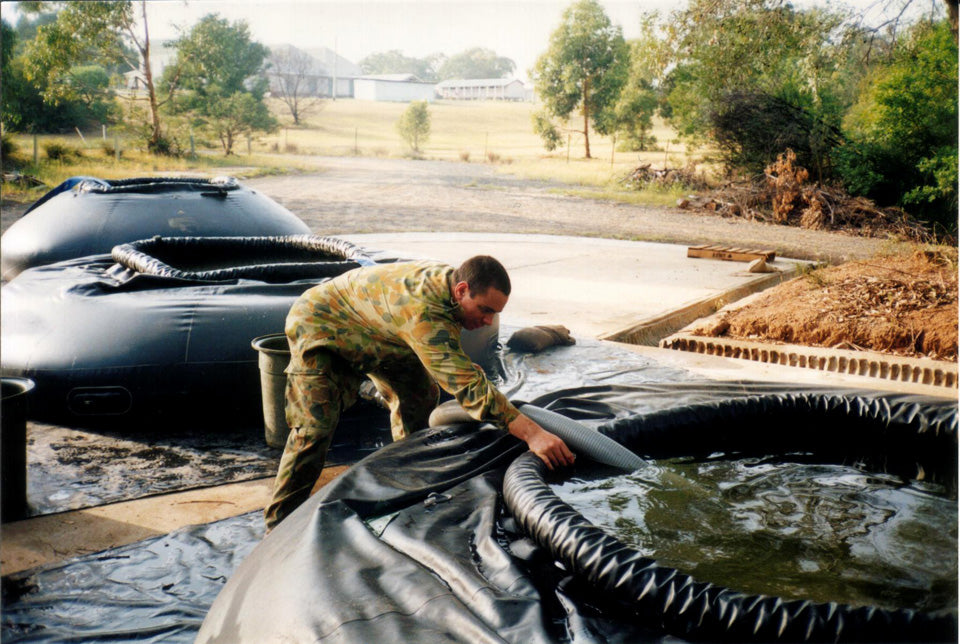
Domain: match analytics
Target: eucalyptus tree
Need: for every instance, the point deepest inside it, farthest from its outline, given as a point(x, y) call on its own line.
point(109, 33)
point(585, 68)
point(217, 80)
point(737, 61)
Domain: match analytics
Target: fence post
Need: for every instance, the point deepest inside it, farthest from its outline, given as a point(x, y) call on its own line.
point(568, 148)
point(35, 157)
point(356, 150)
point(103, 131)
point(248, 144)
point(116, 147)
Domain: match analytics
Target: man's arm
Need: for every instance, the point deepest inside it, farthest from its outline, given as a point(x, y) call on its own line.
point(548, 447)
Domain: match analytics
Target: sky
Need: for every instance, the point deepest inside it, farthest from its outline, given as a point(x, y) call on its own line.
point(515, 29)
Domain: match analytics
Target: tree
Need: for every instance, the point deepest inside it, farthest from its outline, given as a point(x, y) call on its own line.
point(236, 115)
point(293, 79)
point(96, 31)
point(414, 124)
point(785, 60)
point(584, 67)
point(902, 133)
point(638, 102)
point(217, 79)
point(476, 63)
point(394, 62)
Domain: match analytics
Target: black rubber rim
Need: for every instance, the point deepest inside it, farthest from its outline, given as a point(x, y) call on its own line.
point(678, 602)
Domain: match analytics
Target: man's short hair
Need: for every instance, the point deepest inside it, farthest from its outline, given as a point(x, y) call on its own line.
point(482, 272)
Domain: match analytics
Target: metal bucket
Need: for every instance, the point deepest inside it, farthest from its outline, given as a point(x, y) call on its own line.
point(13, 448)
point(274, 356)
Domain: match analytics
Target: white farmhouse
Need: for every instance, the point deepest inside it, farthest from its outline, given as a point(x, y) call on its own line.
point(482, 89)
point(401, 88)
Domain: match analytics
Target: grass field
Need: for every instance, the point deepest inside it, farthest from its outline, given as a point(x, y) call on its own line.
point(473, 131)
point(494, 132)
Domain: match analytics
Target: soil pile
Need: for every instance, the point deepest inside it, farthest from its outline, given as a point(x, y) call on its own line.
point(904, 305)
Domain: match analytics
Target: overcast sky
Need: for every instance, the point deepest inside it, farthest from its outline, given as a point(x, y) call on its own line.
point(516, 29)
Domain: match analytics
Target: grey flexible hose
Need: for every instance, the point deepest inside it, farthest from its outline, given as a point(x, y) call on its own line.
point(583, 440)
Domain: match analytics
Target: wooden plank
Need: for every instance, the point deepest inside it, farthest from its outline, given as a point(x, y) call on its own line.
point(730, 254)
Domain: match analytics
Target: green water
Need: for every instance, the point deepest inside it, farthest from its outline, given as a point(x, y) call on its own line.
point(791, 529)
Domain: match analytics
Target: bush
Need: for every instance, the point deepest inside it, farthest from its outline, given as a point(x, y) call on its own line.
point(7, 146)
point(59, 152)
point(465, 156)
point(414, 125)
point(546, 130)
point(109, 151)
point(751, 128)
point(903, 130)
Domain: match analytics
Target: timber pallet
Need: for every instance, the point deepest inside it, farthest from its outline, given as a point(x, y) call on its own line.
point(730, 254)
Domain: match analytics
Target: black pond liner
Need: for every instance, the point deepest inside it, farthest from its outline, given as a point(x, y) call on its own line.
point(897, 437)
point(86, 216)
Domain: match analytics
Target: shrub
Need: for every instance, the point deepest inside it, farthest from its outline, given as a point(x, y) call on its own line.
point(751, 128)
point(7, 146)
point(465, 156)
point(414, 125)
point(58, 151)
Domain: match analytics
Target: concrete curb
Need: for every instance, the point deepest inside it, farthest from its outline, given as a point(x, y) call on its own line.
point(924, 371)
point(650, 332)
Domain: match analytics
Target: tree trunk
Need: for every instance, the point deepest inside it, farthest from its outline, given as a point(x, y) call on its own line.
point(155, 134)
point(586, 115)
point(952, 10)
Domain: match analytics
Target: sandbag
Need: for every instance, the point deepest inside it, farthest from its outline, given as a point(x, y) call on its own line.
point(534, 339)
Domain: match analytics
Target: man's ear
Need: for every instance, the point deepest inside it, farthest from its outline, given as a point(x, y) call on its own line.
point(460, 290)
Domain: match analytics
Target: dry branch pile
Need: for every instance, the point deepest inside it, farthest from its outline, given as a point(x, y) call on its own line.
point(646, 175)
point(784, 195)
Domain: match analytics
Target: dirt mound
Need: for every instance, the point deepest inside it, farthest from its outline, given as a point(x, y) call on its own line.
point(904, 305)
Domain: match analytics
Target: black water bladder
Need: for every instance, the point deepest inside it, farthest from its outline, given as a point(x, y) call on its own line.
point(902, 435)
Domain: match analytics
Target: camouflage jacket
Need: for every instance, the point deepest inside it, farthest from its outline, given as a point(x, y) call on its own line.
point(370, 316)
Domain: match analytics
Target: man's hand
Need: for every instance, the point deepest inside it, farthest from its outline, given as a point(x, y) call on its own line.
point(548, 447)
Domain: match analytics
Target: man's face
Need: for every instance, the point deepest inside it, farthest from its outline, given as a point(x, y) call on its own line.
point(478, 309)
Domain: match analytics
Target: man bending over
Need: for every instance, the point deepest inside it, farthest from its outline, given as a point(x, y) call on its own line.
point(399, 325)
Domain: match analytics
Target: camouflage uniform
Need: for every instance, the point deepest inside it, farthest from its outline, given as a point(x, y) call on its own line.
point(397, 324)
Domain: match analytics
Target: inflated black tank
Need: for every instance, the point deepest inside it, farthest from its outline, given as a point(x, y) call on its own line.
point(162, 327)
point(87, 216)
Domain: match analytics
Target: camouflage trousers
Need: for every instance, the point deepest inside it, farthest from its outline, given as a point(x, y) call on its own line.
point(320, 387)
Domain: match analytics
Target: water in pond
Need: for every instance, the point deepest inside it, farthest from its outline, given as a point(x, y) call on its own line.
point(792, 529)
